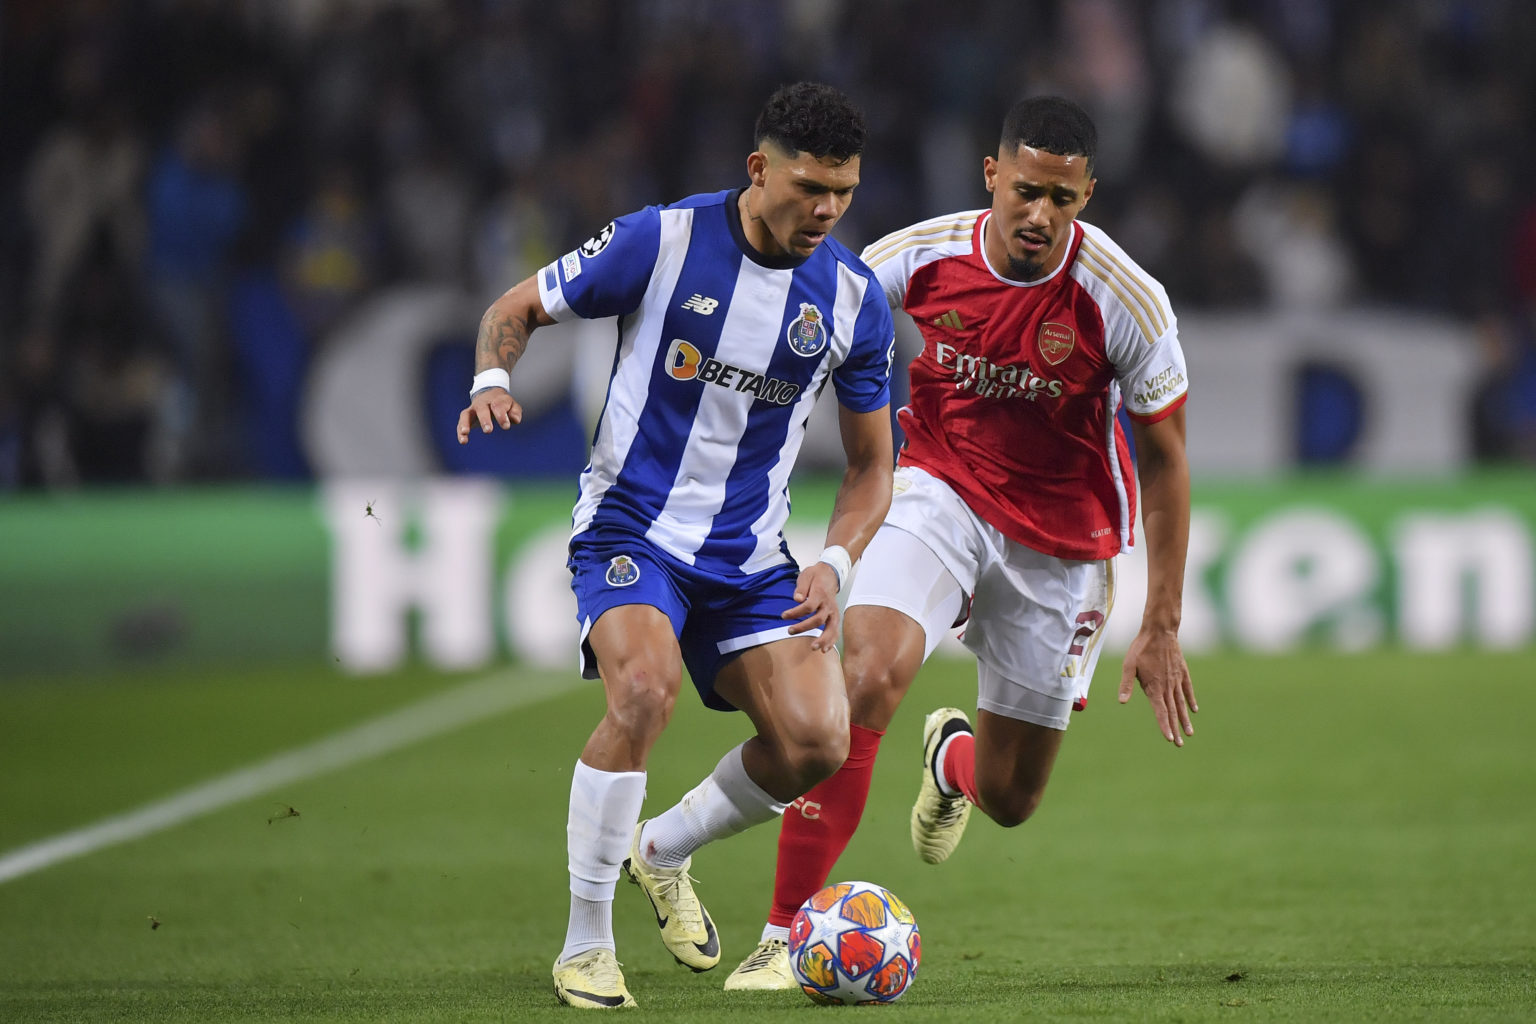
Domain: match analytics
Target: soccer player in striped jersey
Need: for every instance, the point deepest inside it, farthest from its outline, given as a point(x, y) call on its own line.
point(1015, 494)
point(735, 309)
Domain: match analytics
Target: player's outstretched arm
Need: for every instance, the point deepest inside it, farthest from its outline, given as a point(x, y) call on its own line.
point(503, 337)
point(1155, 657)
point(860, 507)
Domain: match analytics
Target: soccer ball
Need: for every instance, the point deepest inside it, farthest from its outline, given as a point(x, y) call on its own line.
point(854, 942)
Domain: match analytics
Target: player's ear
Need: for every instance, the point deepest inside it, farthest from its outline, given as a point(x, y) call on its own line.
point(989, 172)
point(1088, 192)
point(757, 168)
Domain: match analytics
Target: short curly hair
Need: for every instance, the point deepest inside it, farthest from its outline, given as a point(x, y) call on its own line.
point(1052, 123)
point(812, 118)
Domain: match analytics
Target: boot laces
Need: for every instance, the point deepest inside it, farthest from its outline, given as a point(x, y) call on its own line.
point(764, 955)
point(604, 970)
point(677, 889)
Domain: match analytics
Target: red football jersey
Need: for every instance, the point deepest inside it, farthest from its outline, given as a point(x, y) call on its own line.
point(1015, 392)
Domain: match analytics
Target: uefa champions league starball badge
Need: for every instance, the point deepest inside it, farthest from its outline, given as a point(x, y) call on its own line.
point(598, 242)
point(807, 334)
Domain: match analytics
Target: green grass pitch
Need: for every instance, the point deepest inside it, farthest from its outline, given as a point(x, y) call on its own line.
point(1345, 838)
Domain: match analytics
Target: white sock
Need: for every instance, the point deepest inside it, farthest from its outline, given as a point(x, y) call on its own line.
point(725, 803)
point(945, 786)
point(775, 931)
point(600, 823)
point(590, 926)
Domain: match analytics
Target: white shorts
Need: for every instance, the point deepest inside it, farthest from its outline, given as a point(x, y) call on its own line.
point(1035, 621)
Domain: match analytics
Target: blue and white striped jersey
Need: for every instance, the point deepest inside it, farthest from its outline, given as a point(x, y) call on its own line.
point(721, 354)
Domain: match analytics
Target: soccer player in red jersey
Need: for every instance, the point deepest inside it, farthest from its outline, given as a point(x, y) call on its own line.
point(1015, 492)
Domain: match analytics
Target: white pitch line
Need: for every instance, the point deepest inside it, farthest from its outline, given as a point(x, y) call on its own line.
point(464, 705)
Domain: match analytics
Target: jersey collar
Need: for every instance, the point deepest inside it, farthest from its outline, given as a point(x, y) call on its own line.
point(981, 250)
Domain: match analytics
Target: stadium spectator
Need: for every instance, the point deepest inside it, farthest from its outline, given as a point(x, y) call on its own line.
point(1232, 97)
point(332, 252)
point(196, 208)
point(83, 183)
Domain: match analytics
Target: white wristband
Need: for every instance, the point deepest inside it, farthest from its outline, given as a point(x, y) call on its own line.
point(493, 378)
point(837, 557)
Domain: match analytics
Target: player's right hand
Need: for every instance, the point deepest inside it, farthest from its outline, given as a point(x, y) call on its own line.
point(1156, 661)
point(488, 408)
point(816, 590)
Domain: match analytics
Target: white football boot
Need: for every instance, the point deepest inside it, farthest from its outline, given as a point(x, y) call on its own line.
point(765, 969)
point(592, 981)
point(938, 821)
point(686, 929)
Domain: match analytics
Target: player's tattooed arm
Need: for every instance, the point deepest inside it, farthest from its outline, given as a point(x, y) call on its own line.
point(500, 343)
point(502, 340)
point(507, 325)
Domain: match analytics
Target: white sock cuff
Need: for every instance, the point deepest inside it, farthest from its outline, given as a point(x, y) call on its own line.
point(752, 802)
point(775, 931)
point(603, 811)
point(945, 786)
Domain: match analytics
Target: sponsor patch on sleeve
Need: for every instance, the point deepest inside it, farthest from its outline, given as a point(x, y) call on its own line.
point(570, 264)
point(1159, 388)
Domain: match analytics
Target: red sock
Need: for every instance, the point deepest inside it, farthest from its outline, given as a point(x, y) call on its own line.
point(960, 765)
point(817, 828)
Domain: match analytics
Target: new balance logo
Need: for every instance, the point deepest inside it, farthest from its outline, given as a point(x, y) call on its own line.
point(700, 304)
point(950, 320)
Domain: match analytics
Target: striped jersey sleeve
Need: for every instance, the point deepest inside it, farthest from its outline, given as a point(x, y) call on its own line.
point(862, 378)
point(608, 274)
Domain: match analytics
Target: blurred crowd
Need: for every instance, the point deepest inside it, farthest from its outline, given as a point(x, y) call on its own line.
point(197, 191)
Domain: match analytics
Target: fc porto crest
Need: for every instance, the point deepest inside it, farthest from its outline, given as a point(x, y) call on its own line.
point(807, 334)
point(1056, 342)
point(622, 571)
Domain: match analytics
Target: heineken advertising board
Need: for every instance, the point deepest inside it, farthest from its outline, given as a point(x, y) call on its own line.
point(465, 572)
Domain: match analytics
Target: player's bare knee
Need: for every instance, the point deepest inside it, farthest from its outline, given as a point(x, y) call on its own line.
point(828, 756)
point(874, 691)
point(642, 701)
point(811, 765)
point(815, 755)
point(1009, 807)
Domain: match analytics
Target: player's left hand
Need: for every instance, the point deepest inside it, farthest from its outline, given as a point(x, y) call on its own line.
point(1156, 659)
point(816, 590)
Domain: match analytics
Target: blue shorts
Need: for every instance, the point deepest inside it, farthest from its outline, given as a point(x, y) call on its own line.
point(714, 617)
